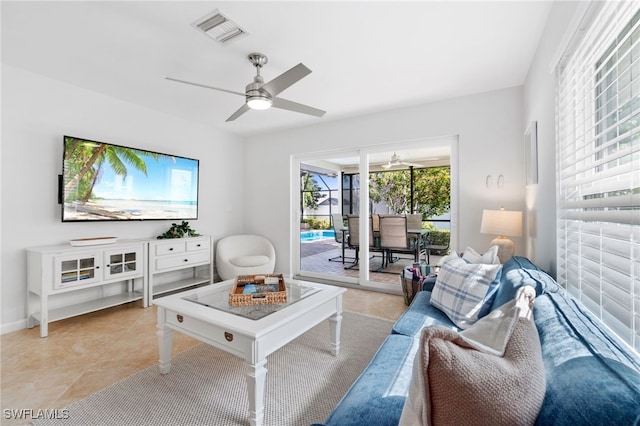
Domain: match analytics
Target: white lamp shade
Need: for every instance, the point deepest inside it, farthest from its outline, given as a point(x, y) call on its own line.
point(504, 223)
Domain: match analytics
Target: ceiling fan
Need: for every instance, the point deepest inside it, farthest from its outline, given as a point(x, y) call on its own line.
point(260, 95)
point(396, 162)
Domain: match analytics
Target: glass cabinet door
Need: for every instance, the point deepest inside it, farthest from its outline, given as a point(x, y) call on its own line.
point(123, 263)
point(75, 270)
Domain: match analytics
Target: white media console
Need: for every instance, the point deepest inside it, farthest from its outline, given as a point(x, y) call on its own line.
point(65, 281)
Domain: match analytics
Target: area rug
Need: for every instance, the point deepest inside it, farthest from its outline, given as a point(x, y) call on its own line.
point(207, 386)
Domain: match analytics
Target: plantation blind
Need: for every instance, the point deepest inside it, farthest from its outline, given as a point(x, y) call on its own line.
point(598, 167)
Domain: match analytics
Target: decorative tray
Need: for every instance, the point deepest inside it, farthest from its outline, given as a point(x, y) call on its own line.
point(258, 290)
point(93, 241)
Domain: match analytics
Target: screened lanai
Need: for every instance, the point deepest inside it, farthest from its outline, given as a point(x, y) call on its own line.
point(411, 186)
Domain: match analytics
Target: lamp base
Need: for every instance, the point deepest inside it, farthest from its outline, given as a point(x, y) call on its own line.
point(506, 248)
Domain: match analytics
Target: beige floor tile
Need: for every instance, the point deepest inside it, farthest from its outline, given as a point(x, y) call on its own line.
point(84, 354)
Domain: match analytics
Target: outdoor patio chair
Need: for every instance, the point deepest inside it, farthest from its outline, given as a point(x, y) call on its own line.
point(394, 237)
point(429, 247)
point(375, 224)
point(341, 236)
point(353, 223)
point(414, 222)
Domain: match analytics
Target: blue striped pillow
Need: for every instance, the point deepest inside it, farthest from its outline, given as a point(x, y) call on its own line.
point(465, 291)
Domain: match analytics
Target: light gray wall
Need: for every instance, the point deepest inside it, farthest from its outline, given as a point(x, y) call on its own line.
point(540, 106)
point(36, 113)
point(489, 127)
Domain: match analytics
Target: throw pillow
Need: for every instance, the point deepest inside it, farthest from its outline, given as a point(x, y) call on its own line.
point(461, 378)
point(453, 255)
point(465, 291)
point(489, 258)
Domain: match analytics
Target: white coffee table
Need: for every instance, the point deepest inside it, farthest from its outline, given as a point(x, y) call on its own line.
point(205, 314)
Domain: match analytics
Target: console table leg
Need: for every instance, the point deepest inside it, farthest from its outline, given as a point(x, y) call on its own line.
point(335, 323)
point(256, 379)
point(44, 316)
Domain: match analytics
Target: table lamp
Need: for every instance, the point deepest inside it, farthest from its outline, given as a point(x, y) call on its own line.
point(503, 223)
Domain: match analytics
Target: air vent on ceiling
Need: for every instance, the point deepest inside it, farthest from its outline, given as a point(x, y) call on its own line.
point(219, 27)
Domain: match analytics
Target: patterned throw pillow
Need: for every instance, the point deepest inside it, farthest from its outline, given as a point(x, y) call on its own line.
point(465, 291)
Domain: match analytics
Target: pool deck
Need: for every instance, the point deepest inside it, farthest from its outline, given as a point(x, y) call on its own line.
point(314, 257)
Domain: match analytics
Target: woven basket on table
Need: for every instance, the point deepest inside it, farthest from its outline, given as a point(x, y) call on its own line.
point(237, 298)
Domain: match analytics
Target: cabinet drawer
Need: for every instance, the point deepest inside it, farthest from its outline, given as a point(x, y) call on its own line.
point(181, 261)
point(215, 335)
point(172, 248)
point(198, 245)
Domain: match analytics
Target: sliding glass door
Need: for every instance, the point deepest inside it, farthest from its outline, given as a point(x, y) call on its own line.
point(320, 246)
point(336, 193)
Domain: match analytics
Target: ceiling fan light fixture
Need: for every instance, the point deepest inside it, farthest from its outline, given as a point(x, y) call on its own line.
point(259, 102)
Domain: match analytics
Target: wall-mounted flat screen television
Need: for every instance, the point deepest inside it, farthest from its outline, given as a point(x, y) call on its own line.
point(106, 182)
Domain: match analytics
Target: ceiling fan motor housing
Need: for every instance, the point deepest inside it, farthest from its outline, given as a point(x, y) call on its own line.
point(255, 97)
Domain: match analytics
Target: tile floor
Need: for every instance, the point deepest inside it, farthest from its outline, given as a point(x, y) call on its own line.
point(315, 258)
point(84, 354)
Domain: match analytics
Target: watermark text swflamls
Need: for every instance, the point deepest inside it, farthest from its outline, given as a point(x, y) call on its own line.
point(35, 414)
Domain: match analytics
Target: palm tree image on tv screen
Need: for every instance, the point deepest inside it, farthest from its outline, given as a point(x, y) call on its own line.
point(103, 181)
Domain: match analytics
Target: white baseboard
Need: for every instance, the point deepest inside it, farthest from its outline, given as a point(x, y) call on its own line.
point(14, 326)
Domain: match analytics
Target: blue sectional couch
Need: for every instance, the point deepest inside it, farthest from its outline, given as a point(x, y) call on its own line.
point(591, 378)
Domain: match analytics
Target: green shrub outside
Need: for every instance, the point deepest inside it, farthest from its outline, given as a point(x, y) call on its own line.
point(315, 223)
point(440, 237)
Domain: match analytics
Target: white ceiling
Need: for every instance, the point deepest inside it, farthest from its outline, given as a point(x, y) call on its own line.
point(364, 56)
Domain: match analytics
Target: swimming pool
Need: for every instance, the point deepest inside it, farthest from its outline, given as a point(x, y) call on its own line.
point(308, 236)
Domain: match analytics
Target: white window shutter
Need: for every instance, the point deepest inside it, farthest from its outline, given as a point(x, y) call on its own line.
point(598, 155)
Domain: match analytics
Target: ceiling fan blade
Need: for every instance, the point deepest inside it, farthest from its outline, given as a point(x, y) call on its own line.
point(286, 79)
point(244, 108)
point(296, 107)
point(386, 166)
point(411, 164)
point(205, 86)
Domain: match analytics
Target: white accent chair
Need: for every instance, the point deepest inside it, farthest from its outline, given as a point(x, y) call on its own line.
point(244, 255)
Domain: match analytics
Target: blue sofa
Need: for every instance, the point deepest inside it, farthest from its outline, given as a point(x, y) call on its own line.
point(592, 378)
